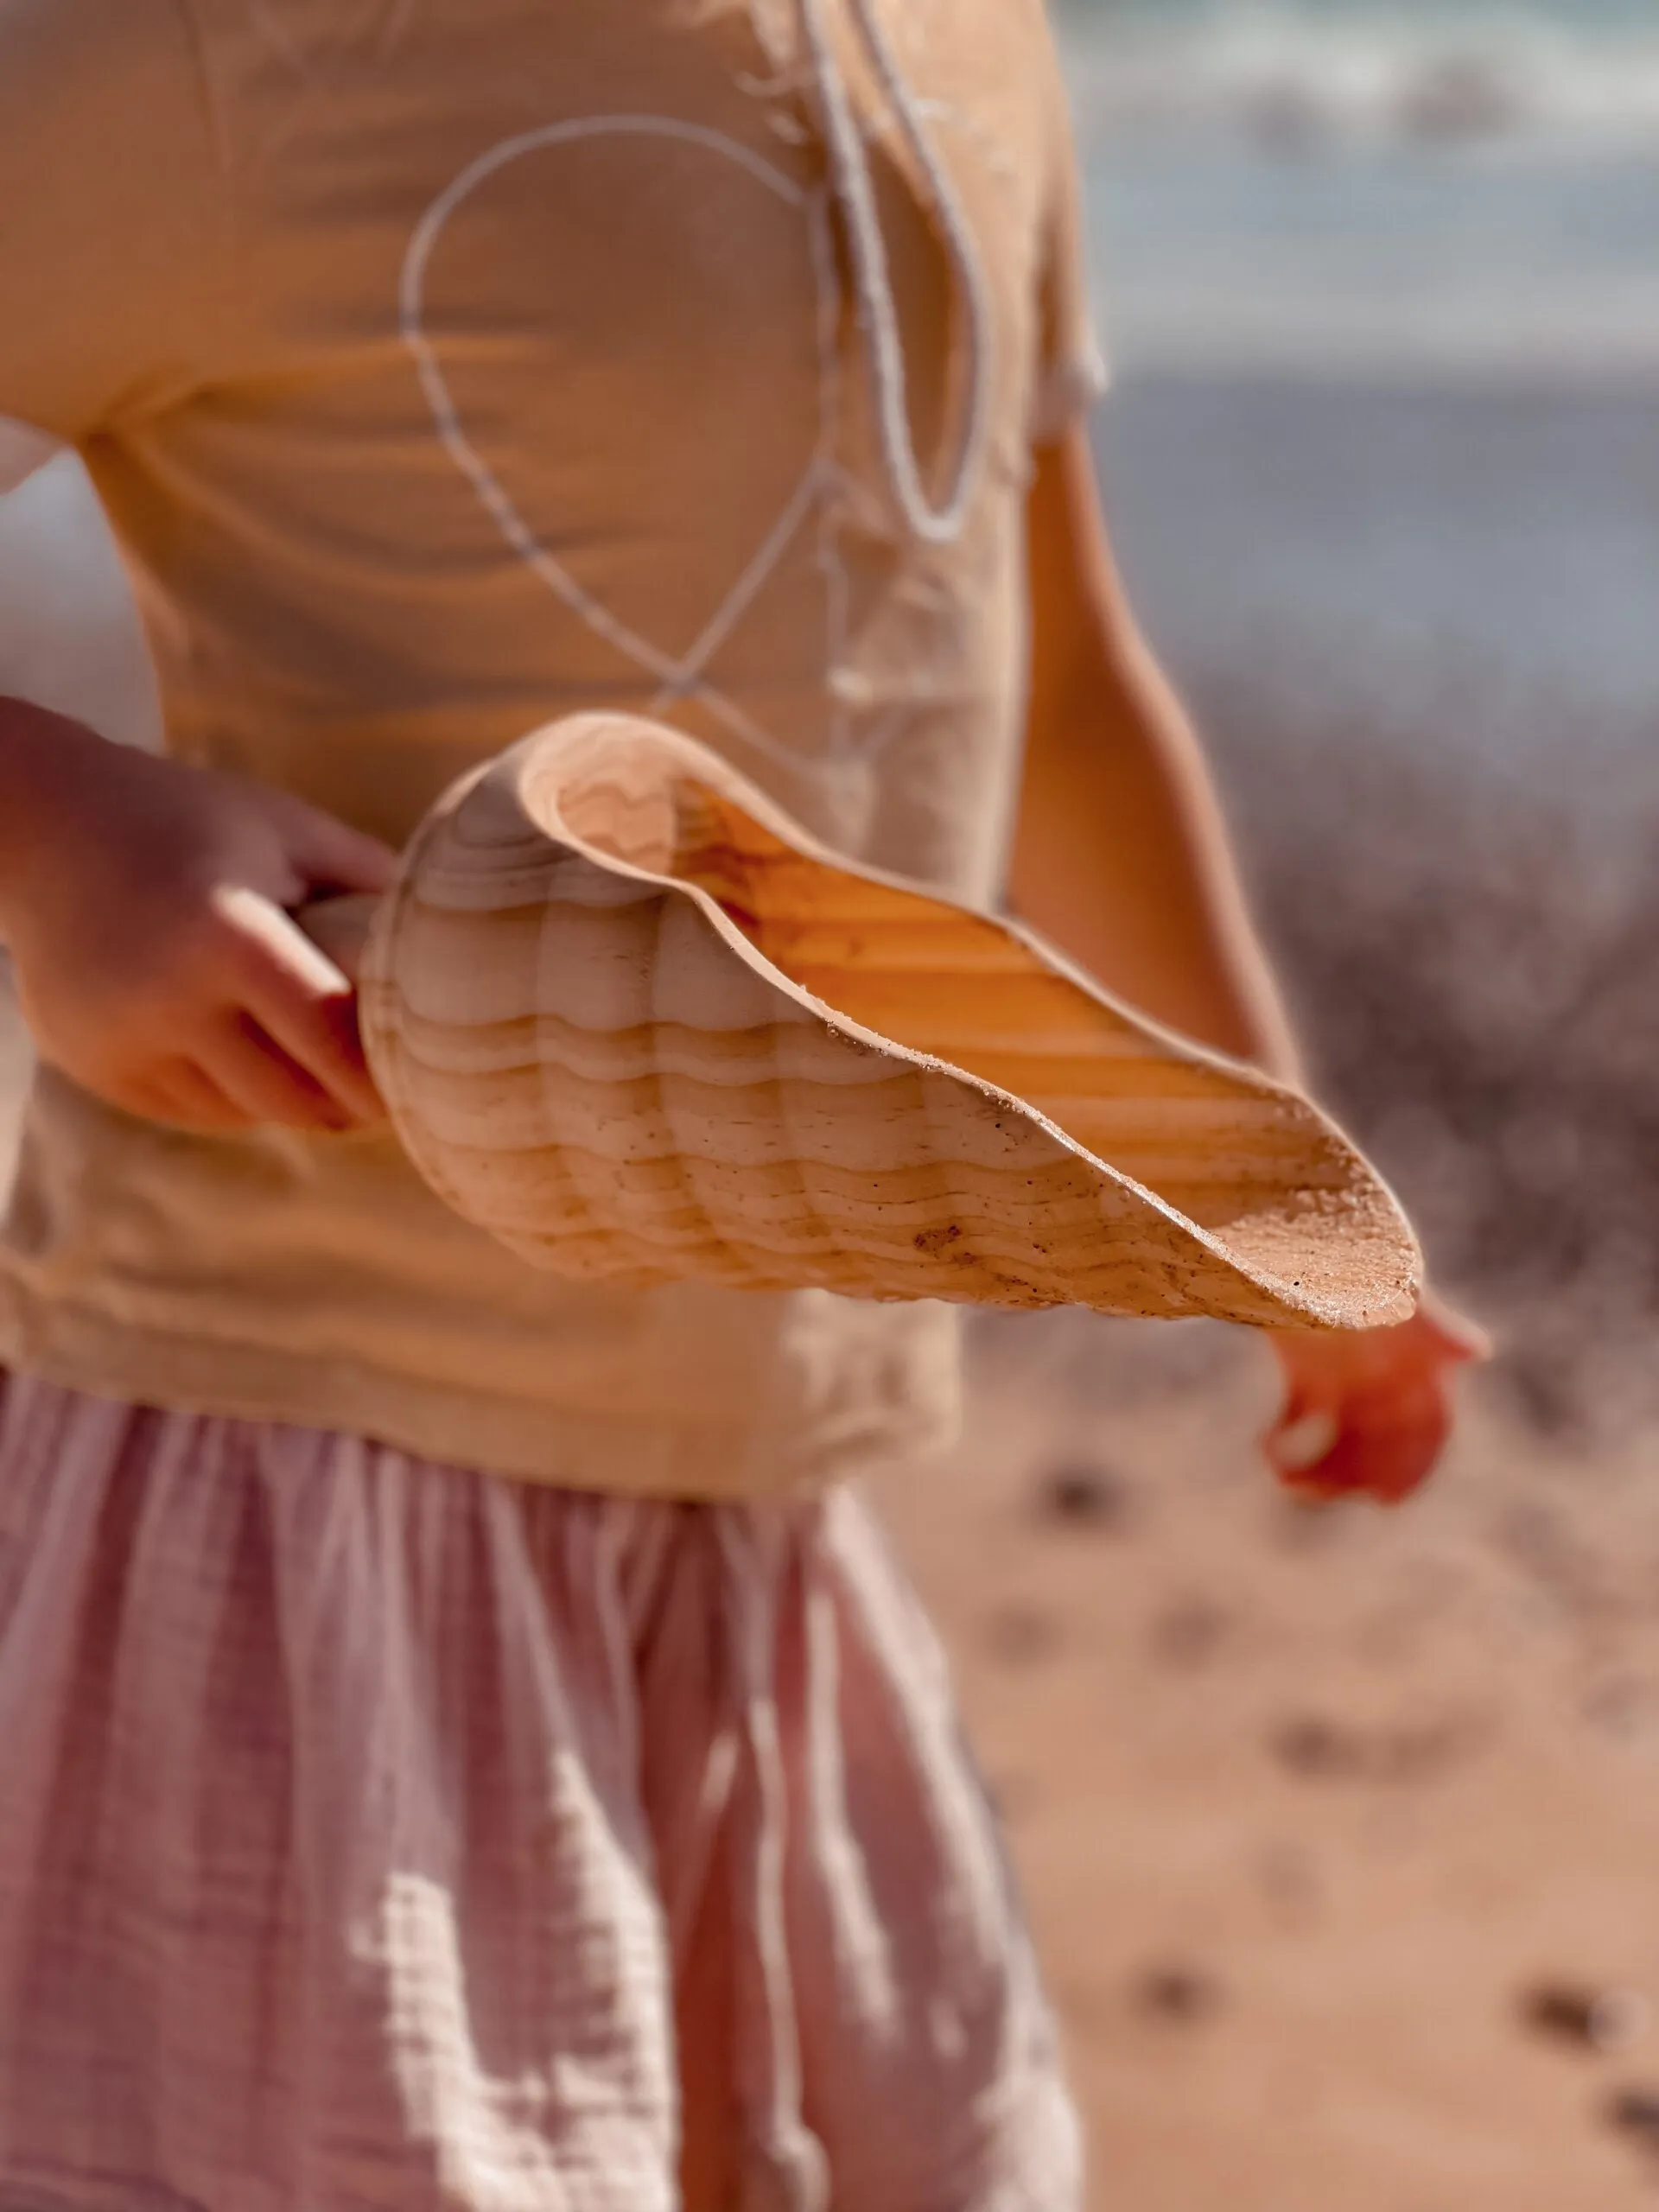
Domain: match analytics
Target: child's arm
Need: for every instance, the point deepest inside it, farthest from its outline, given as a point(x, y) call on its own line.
point(1121, 854)
point(143, 903)
point(1120, 857)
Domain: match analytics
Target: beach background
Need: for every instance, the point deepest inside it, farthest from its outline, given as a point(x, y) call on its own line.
point(1341, 1833)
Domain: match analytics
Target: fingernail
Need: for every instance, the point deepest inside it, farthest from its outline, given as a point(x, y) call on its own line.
point(1306, 1440)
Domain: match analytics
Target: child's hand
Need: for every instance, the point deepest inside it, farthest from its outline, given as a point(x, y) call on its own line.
point(1368, 1413)
point(143, 903)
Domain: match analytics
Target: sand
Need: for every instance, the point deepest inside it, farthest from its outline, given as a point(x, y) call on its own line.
point(1312, 1810)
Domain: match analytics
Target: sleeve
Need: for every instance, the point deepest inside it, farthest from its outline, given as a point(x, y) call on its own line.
point(113, 218)
point(1070, 371)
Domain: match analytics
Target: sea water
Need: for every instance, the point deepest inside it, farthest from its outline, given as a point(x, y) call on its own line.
point(1381, 289)
point(1465, 190)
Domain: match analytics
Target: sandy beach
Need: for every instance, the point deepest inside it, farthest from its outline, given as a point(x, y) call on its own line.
point(1335, 1828)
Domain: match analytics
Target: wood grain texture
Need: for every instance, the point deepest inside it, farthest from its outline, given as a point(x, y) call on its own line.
point(633, 1022)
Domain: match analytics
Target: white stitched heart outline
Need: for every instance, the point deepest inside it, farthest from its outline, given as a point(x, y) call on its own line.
point(678, 676)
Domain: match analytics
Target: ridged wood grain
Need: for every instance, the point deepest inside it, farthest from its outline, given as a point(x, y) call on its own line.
point(632, 1022)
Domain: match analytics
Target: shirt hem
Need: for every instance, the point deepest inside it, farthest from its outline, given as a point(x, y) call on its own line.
point(661, 1457)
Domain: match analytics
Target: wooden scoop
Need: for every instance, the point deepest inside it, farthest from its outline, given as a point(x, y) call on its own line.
point(632, 1020)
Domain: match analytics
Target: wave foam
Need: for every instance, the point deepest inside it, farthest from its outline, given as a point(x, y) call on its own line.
point(1288, 79)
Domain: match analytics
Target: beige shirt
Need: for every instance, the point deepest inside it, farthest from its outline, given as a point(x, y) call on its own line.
point(444, 365)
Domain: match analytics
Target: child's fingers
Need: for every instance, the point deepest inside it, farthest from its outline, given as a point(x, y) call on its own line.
point(197, 1102)
point(1300, 1440)
point(333, 856)
point(304, 1005)
point(1384, 1447)
point(340, 927)
point(321, 1036)
point(270, 1087)
point(1303, 1428)
point(181, 1095)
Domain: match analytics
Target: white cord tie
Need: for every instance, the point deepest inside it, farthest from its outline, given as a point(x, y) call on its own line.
point(878, 315)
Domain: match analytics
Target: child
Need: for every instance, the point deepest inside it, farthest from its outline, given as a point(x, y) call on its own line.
point(464, 1743)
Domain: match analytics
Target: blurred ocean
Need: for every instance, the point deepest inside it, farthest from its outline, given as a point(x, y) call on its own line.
point(1456, 189)
point(1381, 287)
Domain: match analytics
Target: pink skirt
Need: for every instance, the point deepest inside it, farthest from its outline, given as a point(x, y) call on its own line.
point(376, 1833)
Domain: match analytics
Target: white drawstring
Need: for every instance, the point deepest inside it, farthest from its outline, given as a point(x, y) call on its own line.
point(770, 2042)
point(850, 167)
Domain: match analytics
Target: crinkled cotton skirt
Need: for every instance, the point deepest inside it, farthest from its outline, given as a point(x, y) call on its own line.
point(379, 1834)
